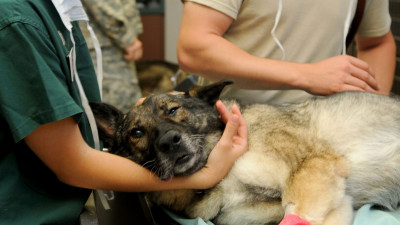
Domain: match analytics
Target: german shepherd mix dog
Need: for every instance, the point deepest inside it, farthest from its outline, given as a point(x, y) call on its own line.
point(318, 159)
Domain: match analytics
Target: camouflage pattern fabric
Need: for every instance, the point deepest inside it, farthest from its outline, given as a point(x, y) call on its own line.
point(117, 24)
point(120, 84)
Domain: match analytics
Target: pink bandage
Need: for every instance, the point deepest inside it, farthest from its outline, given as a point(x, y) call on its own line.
point(294, 220)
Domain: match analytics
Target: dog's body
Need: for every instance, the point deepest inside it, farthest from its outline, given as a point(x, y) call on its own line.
point(317, 159)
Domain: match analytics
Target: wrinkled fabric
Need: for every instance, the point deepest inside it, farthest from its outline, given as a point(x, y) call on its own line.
point(35, 89)
point(116, 24)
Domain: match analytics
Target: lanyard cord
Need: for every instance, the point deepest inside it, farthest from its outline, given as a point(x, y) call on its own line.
point(72, 11)
point(85, 102)
point(86, 107)
point(347, 26)
point(99, 57)
point(277, 18)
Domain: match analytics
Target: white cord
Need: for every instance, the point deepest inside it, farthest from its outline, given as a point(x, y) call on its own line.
point(277, 18)
point(85, 103)
point(347, 25)
point(99, 58)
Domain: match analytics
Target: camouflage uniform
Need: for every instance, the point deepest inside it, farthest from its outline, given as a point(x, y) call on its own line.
point(116, 24)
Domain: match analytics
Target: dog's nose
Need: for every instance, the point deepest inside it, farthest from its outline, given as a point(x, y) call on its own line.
point(170, 141)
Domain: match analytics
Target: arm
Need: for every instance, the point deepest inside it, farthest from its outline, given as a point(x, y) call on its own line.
point(119, 21)
point(380, 54)
point(61, 147)
point(203, 50)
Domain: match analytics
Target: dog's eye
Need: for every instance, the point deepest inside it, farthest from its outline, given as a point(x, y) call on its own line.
point(172, 111)
point(137, 133)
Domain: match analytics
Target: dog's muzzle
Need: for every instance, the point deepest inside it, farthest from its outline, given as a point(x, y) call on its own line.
point(170, 141)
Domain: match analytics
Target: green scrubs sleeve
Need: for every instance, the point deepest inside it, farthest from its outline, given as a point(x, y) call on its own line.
point(33, 65)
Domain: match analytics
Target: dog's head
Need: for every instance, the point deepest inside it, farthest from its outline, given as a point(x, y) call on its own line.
point(169, 134)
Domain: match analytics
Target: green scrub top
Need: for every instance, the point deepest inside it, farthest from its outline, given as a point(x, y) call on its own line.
point(36, 88)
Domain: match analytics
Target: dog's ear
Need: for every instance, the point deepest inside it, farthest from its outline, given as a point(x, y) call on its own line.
point(108, 118)
point(209, 93)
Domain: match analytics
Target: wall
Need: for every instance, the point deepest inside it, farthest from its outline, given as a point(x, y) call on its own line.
point(173, 13)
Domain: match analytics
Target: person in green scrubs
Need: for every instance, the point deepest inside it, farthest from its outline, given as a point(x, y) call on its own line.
point(48, 164)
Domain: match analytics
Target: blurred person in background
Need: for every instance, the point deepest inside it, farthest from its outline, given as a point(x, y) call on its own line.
point(117, 25)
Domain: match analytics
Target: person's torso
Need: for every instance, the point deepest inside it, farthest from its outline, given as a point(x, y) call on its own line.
point(308, 30)
point(29, 192)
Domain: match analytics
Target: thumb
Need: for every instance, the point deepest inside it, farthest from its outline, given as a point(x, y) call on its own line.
point(231, 128)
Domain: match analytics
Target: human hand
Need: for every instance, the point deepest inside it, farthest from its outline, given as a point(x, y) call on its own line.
point(231, 146)
point(140, 101)
point(134, 51)
point(338, 74)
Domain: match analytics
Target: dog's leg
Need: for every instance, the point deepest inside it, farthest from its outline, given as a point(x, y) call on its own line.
point(263, 212)
point(316, 191)
point(343, 214)
point(208, 207)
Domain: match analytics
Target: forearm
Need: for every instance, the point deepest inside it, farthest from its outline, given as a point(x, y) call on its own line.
point(215, 58)
point(100, 170)
point(382, 59)
point(203, 50)
point(77, 164)
point(111, 172)
point(61, 147)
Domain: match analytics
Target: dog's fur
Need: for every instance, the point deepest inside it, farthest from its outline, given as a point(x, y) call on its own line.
point(317, 159)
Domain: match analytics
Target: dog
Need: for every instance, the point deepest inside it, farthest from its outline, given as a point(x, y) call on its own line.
point(318, 159)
